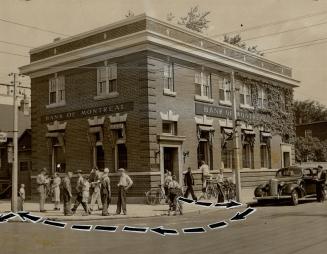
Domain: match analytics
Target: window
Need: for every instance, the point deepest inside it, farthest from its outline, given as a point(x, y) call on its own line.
point(99, 156)
point(121, 156)
point(247, 155)
point(227, 157)
point(225, 91)
point(204, 151)
point(169, 77)
point(169, 127)
point(262, 98)
point(57, 90)
point(203, 84)
point(307, 133)
point(107, 80)
point(245, 95)
point(265, 156)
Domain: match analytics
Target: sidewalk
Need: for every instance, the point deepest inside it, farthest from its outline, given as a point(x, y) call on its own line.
point(133, 211)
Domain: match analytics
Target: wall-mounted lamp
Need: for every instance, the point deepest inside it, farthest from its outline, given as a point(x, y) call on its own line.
point(186, 154)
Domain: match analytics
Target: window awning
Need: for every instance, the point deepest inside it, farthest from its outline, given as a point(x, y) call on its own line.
point(52, 134)
point(266, 134)
point(116, 126)
point(95, 129)
point(206, 128)
point(249, 132)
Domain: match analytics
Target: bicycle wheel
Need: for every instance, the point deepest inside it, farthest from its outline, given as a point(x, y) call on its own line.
point(151, 197)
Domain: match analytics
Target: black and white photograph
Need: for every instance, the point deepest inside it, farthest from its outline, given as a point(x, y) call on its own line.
point(163, 126)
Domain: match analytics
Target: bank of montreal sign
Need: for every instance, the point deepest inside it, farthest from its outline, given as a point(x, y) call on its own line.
point(89, 112)
point(225, 112)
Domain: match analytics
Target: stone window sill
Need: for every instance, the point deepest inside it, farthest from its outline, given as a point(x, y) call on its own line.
point(169, 92)
point(203, 99)
point(56, 105)
point(225, 103)
point(246, 107)
point(106, 96)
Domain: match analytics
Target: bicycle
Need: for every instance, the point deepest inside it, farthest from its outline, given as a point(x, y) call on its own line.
point(155, 196)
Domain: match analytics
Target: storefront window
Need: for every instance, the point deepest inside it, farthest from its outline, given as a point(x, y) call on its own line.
point(265, 156)
point(227, 157)
point(247, 155)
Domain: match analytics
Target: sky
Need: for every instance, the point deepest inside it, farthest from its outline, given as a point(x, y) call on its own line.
point(70, 17)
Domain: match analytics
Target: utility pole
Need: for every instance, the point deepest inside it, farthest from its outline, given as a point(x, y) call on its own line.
point(14, 180)
point(236, 145)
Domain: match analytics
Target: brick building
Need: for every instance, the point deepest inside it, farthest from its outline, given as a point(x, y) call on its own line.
point(147, 96)
point(314, 129)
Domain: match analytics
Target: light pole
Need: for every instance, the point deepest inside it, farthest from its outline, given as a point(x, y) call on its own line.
point(14, 173)
point(236, 145)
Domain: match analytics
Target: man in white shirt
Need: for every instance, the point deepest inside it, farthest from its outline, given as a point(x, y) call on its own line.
point(125, 182)
point(205, 176)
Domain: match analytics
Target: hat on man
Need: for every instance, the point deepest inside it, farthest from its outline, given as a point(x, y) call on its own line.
point(79, 171)
point(106, 170)
point(121, 169)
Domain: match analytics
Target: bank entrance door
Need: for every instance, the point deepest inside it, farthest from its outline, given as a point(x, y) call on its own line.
point(171, 162)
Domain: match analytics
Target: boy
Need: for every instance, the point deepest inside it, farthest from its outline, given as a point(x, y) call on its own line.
point(21, 197)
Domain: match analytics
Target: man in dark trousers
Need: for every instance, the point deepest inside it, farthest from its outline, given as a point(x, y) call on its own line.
point(79, 197)
point(67, 193)
point(320, 184)
point(105, 192)
point(189, 182)
point(125, 182)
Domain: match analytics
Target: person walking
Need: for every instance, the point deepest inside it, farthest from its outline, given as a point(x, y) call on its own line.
point(42, 182)
point(21, 197)
point(105, 192)
point(205, 176)
point(174, 190)
point(86, 194)
point(189, 182)
point(67, 193)
point(95, 179)
point(79, 195)
point(56, 191)
point(125, 182)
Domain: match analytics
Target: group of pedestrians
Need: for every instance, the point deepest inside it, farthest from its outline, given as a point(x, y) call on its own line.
point(97, 183)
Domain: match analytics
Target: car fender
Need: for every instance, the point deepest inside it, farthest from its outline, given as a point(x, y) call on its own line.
point(289, 188)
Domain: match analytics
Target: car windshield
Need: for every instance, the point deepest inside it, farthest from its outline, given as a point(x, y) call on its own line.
point(287, 172)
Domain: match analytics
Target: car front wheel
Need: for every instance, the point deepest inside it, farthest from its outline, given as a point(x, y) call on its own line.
point(295, 198)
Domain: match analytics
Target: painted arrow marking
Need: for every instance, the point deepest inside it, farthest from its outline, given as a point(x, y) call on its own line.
point(186, 200)
point(27, 216)
point(82, 227)
point(229, 205)
point(194, 230)
point(202, 203)
point(54, 224)
point(7, 216)
point(217, 225)
point(242, 216)
point(135, 229)
point(105, 228)
point(164, 231)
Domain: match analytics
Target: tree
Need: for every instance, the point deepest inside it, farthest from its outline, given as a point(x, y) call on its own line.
point(236, 40)
point(195, 20)
point(310, 149)
point(309, 111)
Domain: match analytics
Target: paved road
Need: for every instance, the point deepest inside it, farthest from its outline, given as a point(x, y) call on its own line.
point(271, 229)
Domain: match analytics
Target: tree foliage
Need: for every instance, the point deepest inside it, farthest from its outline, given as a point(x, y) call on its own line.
point(309, 111)
point(195, 20)
point(236, 40)
point(310, 149)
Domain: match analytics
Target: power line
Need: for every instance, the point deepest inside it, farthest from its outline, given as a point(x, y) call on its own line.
point(285, 31)
point(16, 44)
point(32, 27)
point(301, 46)
point(295, 44)
point(14, 54)
point(274, 23)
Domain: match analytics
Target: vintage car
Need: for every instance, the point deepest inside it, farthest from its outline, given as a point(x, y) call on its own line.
point(292, 183)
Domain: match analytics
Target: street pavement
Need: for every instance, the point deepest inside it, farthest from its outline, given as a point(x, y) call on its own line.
point(278, 229)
